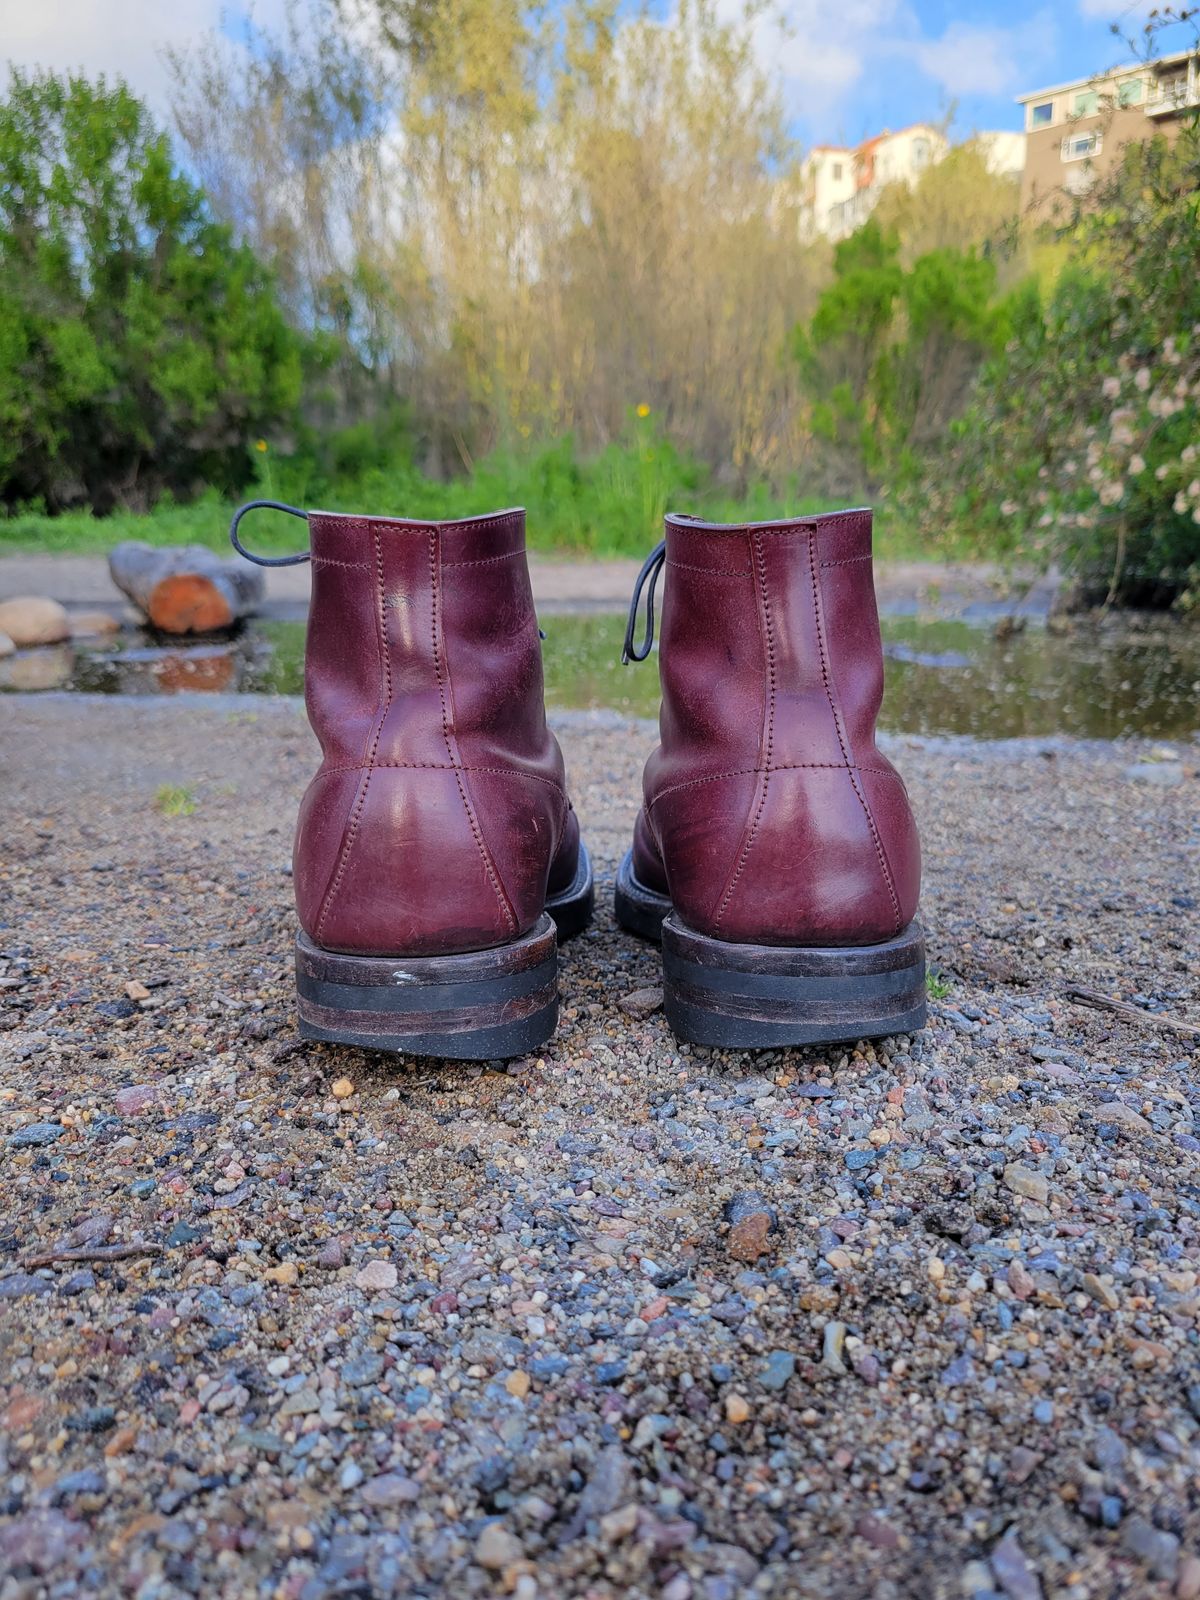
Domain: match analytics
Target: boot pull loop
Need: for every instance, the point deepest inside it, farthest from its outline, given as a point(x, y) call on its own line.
point(651, 568)
point(266, 561)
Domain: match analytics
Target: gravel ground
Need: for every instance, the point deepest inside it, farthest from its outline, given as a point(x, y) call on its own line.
point(916, 1319)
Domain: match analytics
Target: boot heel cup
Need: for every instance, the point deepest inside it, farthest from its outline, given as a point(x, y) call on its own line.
point(481, 1006)
point(753, 997)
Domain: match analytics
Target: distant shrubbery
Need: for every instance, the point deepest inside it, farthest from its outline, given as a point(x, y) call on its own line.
point(140, 347)
point(890, 355)
point(1082, 440)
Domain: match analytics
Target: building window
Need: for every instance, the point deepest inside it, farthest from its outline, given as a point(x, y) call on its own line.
point(1042, 116)
point(1078, 146)
point(1130, 92)
point(1174, 90)
point(1087, 103)
point(837, 172)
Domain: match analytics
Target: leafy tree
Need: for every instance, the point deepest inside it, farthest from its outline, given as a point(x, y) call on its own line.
point(889, 356)
point(564, 212)
point(141, 350)
point(958, 203)
point(1083, 440)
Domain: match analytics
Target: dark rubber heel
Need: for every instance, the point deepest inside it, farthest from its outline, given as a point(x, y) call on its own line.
point(754, 997)
point(481, 1006)
point(638, 909)
point(572, 909)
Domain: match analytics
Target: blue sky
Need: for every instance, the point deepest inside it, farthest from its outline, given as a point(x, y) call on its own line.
point(854, 67)
point(850, 67)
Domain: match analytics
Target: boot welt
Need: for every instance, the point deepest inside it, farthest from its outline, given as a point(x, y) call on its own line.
point(755, 997)
point(482, 1005)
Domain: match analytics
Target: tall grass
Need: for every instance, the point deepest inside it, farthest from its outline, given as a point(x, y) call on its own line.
point(610, 504)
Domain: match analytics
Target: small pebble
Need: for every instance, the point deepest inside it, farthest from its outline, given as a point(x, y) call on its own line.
point(377, 1275)
point(737, 1409)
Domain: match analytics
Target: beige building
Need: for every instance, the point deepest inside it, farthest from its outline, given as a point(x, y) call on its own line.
point(841, 184)
point(1075, 132)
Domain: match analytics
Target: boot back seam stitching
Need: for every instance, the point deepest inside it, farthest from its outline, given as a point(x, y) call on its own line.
point(351, 833)
point(749, 838)
point(851, 771)
point(506, 910)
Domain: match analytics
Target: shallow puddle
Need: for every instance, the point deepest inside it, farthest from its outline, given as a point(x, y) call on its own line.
point(1097, 680)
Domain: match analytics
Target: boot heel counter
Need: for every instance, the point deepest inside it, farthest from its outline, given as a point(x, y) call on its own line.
point(829, 856)
point(699, 828)
point(388, 861)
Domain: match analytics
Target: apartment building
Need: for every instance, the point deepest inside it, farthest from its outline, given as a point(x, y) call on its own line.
point(841, 184)
point(1075, 132)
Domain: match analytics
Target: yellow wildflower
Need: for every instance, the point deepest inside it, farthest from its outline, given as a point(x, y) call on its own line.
point(643, 410)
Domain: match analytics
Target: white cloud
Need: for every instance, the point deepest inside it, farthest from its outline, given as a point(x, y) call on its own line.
point(120, 38)
point(825, 54)
point(971, 59)
point(821, 52)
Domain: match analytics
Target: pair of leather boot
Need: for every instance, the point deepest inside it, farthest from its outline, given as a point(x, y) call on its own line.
point(438, 860)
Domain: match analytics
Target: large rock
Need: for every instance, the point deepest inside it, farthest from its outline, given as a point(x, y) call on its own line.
point(31, 619)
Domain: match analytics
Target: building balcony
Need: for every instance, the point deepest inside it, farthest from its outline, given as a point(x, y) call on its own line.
point(1175, 92)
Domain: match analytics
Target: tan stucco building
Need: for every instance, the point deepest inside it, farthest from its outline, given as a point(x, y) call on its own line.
point(1074, 132)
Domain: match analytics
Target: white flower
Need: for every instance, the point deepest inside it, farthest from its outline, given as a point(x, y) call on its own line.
point(1142, 378)
point(1136, 465)
point(1112, 388)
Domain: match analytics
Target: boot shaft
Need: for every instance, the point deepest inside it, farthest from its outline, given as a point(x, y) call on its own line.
point(439, 818)
point(770, 642)
point(422, 641)
point(770, 814)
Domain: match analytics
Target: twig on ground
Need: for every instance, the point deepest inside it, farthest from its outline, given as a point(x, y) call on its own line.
point(97, 1252)
point(1155, 1019)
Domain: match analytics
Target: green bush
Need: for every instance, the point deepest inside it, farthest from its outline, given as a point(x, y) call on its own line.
point(1082, 443)
point(141, 350)
point(889, 356)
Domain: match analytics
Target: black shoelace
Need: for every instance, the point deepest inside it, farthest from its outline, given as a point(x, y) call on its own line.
point(651, 568)
point(266, 561)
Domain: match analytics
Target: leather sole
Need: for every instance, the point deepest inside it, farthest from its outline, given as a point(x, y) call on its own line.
point(484, 1005)
point(756, 997)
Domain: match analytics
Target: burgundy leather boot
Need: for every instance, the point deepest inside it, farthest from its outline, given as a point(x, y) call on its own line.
point(436, 852)
point(775, 854)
